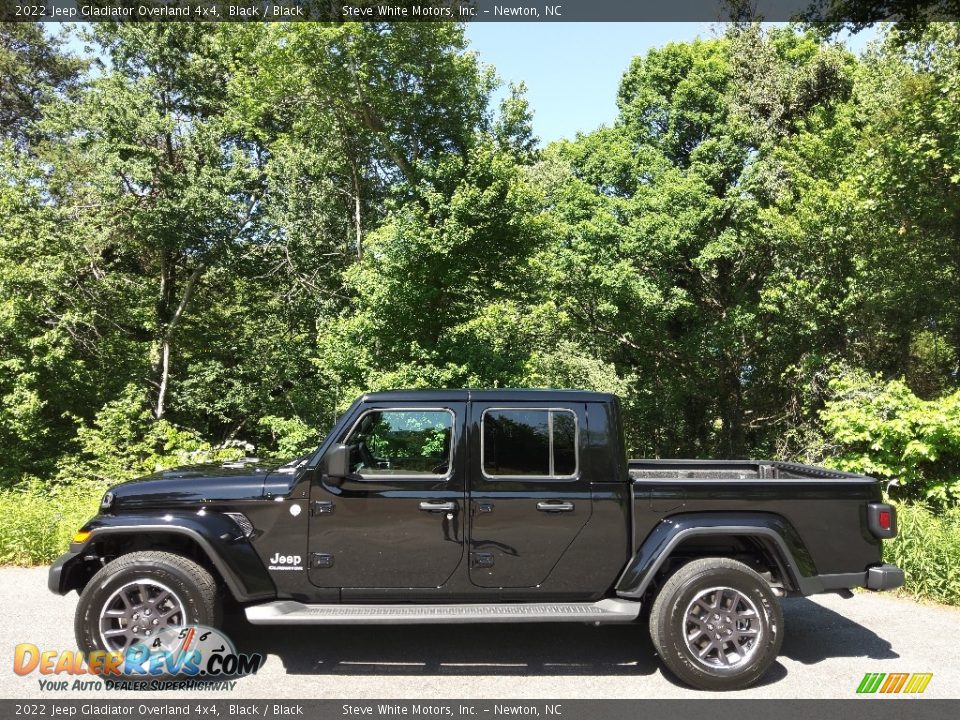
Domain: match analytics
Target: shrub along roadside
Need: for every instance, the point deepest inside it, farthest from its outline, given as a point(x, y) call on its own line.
point(886, 431)
point(927, 548)
point(38, 523)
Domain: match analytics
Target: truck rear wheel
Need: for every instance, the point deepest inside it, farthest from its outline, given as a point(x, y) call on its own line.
point(137, 596)
point(717, 625)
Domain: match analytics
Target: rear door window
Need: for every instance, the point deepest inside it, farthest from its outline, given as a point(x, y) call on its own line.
point(522, 443)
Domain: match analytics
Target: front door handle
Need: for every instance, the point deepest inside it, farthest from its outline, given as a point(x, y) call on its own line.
point(438, 506)
point(555, 507)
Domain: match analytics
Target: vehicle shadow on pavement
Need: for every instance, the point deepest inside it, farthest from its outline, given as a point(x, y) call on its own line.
point(815, 633)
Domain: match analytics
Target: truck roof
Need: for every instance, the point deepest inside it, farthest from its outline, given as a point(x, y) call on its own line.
point(487, 395)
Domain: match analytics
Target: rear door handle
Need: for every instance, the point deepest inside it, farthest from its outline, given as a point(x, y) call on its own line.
point(555, 507)
point(438, 506)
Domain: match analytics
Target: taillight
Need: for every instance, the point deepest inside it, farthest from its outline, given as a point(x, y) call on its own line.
point(885, 519)
point(882, 520)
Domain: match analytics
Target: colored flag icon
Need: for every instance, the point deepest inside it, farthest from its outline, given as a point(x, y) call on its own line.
point(892, 683)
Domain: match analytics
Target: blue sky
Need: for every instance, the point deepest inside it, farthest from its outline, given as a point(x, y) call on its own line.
point(572, 70)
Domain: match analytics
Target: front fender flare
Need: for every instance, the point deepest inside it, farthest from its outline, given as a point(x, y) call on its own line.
point(217, 536)
point(773, 530)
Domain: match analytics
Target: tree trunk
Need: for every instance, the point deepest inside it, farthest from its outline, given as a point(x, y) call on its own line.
point(733, 438)
point(166, 340)
point(373, 123)
point(357, 216)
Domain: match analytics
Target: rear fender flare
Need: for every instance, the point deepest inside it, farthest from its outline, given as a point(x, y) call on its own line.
point(773, 530)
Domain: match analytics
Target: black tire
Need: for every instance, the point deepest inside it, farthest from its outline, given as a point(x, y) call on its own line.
point(694, 587)
point(193, 586)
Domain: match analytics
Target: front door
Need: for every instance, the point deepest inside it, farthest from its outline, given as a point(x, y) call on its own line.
point(397, 519)
point(529, 496)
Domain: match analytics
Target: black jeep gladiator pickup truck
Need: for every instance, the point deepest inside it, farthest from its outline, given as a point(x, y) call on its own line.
point(465, 506)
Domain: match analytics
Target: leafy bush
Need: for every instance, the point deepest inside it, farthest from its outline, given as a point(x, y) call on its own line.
point(39, 520)
point(125, 442)
point(927, 548)
point(885, 430)
point(292, 437)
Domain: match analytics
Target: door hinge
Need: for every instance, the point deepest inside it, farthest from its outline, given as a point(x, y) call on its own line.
point(481, 560)
point(319, 507)
point(319, 561)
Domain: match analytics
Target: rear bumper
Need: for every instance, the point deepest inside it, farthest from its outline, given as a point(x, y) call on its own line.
point(57, 574)
point(876, 577)
point(884, 577)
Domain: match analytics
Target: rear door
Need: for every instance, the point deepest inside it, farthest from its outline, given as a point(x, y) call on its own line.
point(529, 496)
point(397, 519)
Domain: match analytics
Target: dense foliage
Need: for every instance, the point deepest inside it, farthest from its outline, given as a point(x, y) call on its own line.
point(886, 431)
point(212, 237)
point(928, 550)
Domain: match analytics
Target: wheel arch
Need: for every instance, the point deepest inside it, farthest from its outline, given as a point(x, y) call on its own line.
point(768, 534)
point(215, 543)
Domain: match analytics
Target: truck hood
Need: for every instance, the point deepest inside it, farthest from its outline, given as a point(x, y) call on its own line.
point(196, 485)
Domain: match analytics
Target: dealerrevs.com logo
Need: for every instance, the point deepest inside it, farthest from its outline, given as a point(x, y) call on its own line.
point(894, 683)
point(178, 658)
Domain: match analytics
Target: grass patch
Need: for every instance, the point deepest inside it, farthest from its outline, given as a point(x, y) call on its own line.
point(38, 521)
point(927, 548)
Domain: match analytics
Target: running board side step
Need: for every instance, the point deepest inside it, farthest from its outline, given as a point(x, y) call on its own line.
point(290, 612)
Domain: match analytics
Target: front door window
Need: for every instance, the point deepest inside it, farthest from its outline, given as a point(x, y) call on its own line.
point(401, 442)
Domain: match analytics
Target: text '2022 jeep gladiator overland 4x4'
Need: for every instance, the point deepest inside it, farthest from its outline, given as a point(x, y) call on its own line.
point(464, 506)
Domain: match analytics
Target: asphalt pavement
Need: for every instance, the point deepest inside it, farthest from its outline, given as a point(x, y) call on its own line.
point(830, 643)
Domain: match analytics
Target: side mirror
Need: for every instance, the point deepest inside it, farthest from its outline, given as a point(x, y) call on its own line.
point(338, 461)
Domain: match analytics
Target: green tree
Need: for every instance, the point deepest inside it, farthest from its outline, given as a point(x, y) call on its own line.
point(910, 219)
point(358, 108)
point(432, 271)
point(884, 430)
point(829, 16)
point(160, 186)
point(413, 217)
point(668, 251)
point(33, 67)
point(35, 348)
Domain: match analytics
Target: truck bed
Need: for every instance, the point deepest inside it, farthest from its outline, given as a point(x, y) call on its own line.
point(643, 469)
point(822, 506)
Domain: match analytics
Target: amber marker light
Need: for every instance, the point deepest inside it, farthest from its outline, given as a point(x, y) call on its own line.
point(80, 536)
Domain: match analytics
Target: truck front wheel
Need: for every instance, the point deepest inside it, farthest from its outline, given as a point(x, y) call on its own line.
point(137, 596)
point(716, 624)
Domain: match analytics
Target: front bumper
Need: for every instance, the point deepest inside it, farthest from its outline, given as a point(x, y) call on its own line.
point(59, 573)
point(884, 577)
